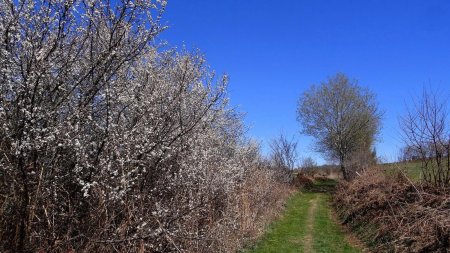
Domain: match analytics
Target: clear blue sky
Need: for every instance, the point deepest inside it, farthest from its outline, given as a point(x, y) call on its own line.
point(274, 50)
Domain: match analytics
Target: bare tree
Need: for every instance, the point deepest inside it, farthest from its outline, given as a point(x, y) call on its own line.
point(408, 153)
point(426, 132)
point(308, 165)
point(283, 157)
point(284, 152)
point(342, 116)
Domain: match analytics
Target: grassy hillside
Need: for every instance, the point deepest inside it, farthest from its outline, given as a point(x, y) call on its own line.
point(411, 168)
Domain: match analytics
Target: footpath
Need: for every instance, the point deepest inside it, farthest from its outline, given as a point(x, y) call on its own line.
point(307, 225)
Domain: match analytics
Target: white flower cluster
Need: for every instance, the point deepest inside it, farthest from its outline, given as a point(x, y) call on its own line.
point(105, 141)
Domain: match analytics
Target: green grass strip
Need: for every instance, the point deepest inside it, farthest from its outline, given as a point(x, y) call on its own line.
point(288, 234)
point(328, 236)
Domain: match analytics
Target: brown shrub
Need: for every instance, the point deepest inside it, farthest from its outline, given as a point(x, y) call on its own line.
point(302, 181)
point(394, 214)
point(259, 201)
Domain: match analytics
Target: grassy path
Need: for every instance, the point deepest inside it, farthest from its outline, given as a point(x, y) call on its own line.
point(306, 226)
point(308, 239)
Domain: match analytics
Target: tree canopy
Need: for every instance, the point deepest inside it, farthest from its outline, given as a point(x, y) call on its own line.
point(342, 116)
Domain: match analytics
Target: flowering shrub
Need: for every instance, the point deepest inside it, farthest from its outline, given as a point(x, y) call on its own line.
point(108, 143)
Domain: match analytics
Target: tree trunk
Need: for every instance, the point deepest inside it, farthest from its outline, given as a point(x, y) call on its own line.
point(344, 172)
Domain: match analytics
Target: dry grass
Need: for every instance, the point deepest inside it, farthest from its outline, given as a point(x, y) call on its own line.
point(392, 213)
point(259, 202)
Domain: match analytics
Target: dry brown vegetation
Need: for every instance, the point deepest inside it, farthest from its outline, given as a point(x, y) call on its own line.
point(302, 180)
point(244, 216)
point(261, 200)
point(393, 214)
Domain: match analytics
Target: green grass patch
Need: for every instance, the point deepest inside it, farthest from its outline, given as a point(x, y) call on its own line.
point(323, 185)
point(328, 236)
point(412, 169)
point(286, 234)
point(289, 232)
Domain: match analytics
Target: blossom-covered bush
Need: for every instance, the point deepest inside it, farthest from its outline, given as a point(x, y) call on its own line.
point(109, 143)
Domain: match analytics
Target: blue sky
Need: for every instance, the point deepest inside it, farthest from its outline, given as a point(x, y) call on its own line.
point(274, 50)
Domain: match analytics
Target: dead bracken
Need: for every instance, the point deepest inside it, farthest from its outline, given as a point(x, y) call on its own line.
point(392, 213)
